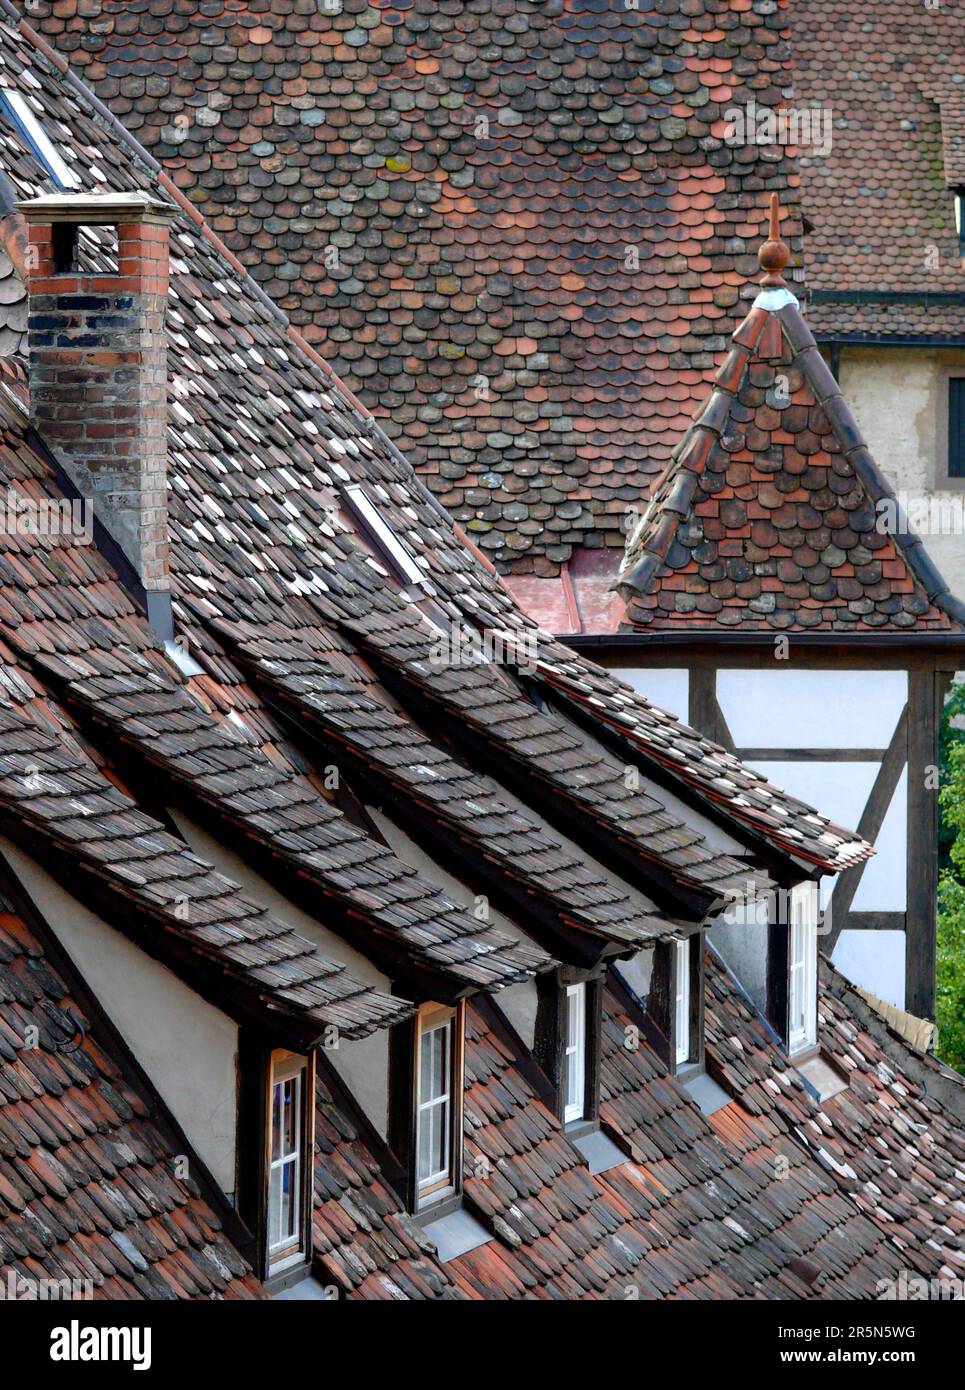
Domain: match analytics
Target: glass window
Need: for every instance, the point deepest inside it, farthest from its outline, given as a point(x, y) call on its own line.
point(435, 1099)
point(803, 966)
point(574, 1054)
point(682, 1002)
point(438, 1089)
point(287, 1155)
point(956, 427)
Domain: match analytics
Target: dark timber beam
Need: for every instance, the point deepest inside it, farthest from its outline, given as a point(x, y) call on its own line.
point(869, 827)
point(924, 706)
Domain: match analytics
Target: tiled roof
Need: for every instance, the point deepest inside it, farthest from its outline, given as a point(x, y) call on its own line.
point(740, 1205)
point(767, 516)
point(893, 1147)
point(266, 565)
point(880, 201)
point(89, 1185)
point(738, 1202)
point(54, 798)
point(285, 608)
point(366, 1243)
point(541, 232)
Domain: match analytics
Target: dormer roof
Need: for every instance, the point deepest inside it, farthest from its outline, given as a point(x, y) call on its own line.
point(772, 515)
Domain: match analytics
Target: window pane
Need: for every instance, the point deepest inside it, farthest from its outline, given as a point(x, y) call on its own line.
point(425, 1161)
point(289, 1186)
point(435, 1098)
point(291, 1116)
point(440, 1063)
point(274, 1207)
point(284, 1179)
point(572, 1019)
point(276, 1091)
point(572, 1079)
point(956, 427)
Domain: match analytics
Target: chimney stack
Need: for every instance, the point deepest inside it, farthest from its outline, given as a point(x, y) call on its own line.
point(98, 369)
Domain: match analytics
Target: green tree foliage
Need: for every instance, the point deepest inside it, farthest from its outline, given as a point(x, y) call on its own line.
point(950, 983)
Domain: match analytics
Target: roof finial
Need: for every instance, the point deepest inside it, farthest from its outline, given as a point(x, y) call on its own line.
point(774, 254)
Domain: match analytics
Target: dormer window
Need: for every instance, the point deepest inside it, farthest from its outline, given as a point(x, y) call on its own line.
point(425, 1104)
point(21, 115)
point(675, 1006)
point(682, 1031)
point(436, 1085)
point(960, 220)
point(276, 1130)
point(567, 1046)
point(574, 1054)
point(392, 549)
point(802, 968)
point(287, 1159)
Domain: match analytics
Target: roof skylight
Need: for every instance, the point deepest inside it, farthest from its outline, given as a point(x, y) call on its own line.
point(382, 534)
point(23, 118)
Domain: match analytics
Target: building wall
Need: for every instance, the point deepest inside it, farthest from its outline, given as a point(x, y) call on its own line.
point(363, 1064)
point(188, 1048)
point(790, 709)
point(900, 400)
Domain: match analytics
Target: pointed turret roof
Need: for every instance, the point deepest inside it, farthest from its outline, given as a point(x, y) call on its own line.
point(772, 513)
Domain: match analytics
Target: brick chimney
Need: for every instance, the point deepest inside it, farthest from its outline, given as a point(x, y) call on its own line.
point(98, 369)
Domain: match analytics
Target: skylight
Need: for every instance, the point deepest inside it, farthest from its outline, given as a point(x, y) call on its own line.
point(23, 118)
point(381, 532)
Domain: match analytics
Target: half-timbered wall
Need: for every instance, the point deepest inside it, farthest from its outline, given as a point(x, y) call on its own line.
point(841, 739)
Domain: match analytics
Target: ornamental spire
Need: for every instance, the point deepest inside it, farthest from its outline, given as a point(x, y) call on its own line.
point(775, 253)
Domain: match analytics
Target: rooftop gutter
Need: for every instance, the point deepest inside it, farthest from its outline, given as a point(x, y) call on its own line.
point(763, 637)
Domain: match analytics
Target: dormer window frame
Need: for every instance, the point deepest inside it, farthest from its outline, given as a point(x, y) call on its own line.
point(426, 1081)
point(276, 1158)
point(802, 967)
point(390, 548)
point(676, 1004)
point(683, 1041)
point(569, 1013)
point(574, 1053)
point(25, 121)
point(438, 1091)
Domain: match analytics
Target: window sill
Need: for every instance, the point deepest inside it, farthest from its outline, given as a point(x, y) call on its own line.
point(291, 1272)
point(431, 1208)
point(455, 1231)
point(575, 1129)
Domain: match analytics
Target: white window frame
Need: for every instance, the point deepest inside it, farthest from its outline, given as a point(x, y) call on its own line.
point(441, 1182)
point(26, 121)
point(682, 1003)
point(379, 530)
point(802, 975)
point(574, 1047)
point(289, 1248)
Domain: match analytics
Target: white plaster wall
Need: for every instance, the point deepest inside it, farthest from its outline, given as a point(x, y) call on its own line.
point(188, 1048)
point(664, 686)
point(792, 708)
point(741, 938)
point(840, 791)
point(519, 1004)
point(788, 708)
point(363, 1064)
point(897, 399)
point(880, 970)
point(637, 972)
